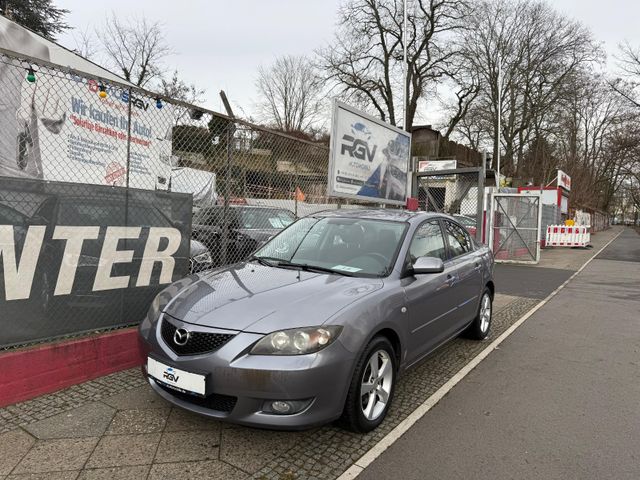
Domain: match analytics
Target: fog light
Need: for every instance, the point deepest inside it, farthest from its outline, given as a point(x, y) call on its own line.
point(281, 407)
point(285, 407)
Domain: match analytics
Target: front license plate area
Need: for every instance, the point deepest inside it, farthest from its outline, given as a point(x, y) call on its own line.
point(175, 378)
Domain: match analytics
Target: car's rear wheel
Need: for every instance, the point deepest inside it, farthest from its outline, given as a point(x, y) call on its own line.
point(372, 386)
point(479, 328)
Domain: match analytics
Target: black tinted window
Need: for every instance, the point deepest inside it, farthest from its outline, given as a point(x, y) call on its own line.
point(427, 242)
point(459, 241)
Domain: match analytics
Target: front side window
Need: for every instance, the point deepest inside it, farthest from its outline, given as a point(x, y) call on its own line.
point(427, 242)
point(354, 246)
point(459, 241)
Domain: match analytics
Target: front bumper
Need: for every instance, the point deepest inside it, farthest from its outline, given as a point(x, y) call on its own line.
point(238, 384)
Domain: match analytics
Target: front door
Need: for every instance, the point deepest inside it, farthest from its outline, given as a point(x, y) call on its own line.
point(468, 267)
point(431, 301)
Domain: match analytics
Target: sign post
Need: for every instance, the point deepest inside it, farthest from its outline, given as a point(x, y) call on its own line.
point(369, 159)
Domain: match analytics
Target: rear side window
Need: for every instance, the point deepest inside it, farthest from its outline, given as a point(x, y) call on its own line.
point(459, 240)
point(427, 242)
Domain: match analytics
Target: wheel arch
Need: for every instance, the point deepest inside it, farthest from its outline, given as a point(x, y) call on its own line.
point(492, 288)
point(393, 337)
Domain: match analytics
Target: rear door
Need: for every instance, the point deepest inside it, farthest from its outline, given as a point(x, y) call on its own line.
point(430, 298)
point(467, 265)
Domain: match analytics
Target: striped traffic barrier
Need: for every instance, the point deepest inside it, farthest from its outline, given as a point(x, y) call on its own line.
point(568, 236)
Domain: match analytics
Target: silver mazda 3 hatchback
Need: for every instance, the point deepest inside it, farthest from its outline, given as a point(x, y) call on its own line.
point(320, 322)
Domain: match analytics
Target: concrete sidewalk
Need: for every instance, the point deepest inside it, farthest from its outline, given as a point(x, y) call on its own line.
point(560, 399)
point(115, 427)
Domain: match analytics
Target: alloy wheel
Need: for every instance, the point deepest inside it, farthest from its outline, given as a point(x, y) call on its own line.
point(375, 388)
point(485, 313)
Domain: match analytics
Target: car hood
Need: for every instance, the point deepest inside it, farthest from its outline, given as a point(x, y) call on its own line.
point(261, 299)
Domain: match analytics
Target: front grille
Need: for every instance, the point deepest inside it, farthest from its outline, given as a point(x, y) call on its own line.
point(220, 403)
point(199, 342)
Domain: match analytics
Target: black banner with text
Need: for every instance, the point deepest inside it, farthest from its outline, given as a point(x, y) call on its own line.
point(76, 258)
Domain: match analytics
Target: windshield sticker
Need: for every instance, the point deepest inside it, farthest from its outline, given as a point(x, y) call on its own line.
point(346, 268)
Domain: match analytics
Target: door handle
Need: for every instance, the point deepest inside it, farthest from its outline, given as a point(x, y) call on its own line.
point(478, 266)
point(450, 280)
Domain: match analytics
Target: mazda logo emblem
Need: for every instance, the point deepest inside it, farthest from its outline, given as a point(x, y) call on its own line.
point(181, 337)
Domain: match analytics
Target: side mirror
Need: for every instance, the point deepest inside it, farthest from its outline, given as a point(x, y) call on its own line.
point(428, 265)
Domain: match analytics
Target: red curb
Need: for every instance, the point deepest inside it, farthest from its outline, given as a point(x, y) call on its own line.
point(30, 372)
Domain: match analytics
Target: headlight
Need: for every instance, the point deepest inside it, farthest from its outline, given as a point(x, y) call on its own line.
point(297, 341)
point(203, 258)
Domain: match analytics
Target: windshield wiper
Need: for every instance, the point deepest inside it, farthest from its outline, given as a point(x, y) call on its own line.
point(273, 262)
point(315, 268)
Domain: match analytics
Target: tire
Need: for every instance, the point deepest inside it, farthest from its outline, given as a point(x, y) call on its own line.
point(362, 414)
point(481, 325)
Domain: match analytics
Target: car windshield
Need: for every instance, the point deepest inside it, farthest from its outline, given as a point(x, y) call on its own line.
point(348, 246)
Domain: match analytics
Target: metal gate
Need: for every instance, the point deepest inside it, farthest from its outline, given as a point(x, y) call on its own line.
point(458, 192)
point(514, 227)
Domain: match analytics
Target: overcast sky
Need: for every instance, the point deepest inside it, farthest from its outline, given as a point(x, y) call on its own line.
point(219, 44)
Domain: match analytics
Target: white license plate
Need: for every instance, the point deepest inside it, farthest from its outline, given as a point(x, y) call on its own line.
point(174, 377)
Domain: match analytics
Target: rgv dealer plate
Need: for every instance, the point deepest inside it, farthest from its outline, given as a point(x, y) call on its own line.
point(174, 377)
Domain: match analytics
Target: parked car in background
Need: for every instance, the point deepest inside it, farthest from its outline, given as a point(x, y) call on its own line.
point(249, 228)
point(319, 323)
point(199, 257)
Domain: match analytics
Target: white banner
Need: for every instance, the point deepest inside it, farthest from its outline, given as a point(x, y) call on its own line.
point(58, 128)
point(369, 158)
point(564, 180)
point(433, 165)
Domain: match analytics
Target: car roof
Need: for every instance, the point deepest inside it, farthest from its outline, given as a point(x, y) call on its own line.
point(378, 214)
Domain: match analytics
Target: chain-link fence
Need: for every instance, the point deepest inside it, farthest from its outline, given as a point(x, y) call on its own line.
point(515, 227)
point(96, 139)
point(455, 192)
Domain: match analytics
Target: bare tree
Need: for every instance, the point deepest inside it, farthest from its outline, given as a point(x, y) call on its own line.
point(177, 89)
point(85, 43)
point(538, 49)
point(136, 48)
point(290, 91)
point(365, 60)
point(629, 66)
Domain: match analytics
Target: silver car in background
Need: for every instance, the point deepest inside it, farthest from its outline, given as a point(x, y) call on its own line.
point(319, 323)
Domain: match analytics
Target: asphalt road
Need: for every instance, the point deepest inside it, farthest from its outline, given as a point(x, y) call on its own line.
point(530, 282)
point(559, 399)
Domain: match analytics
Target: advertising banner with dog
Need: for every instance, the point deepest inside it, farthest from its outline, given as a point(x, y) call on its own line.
point(369, 158)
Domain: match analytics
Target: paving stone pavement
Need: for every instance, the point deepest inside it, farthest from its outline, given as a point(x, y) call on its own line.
point(116, 428)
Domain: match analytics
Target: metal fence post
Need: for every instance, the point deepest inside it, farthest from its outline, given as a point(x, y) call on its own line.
point(295, 191)
point(225, 208)
point(480, 207)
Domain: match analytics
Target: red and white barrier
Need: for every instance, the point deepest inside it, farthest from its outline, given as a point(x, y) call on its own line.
point(565, 236)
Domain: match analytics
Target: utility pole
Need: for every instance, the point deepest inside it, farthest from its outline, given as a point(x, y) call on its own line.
point(498, 133)
point(405, 89)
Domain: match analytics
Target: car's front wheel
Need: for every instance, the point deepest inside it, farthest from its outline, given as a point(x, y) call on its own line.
point(372, 386)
